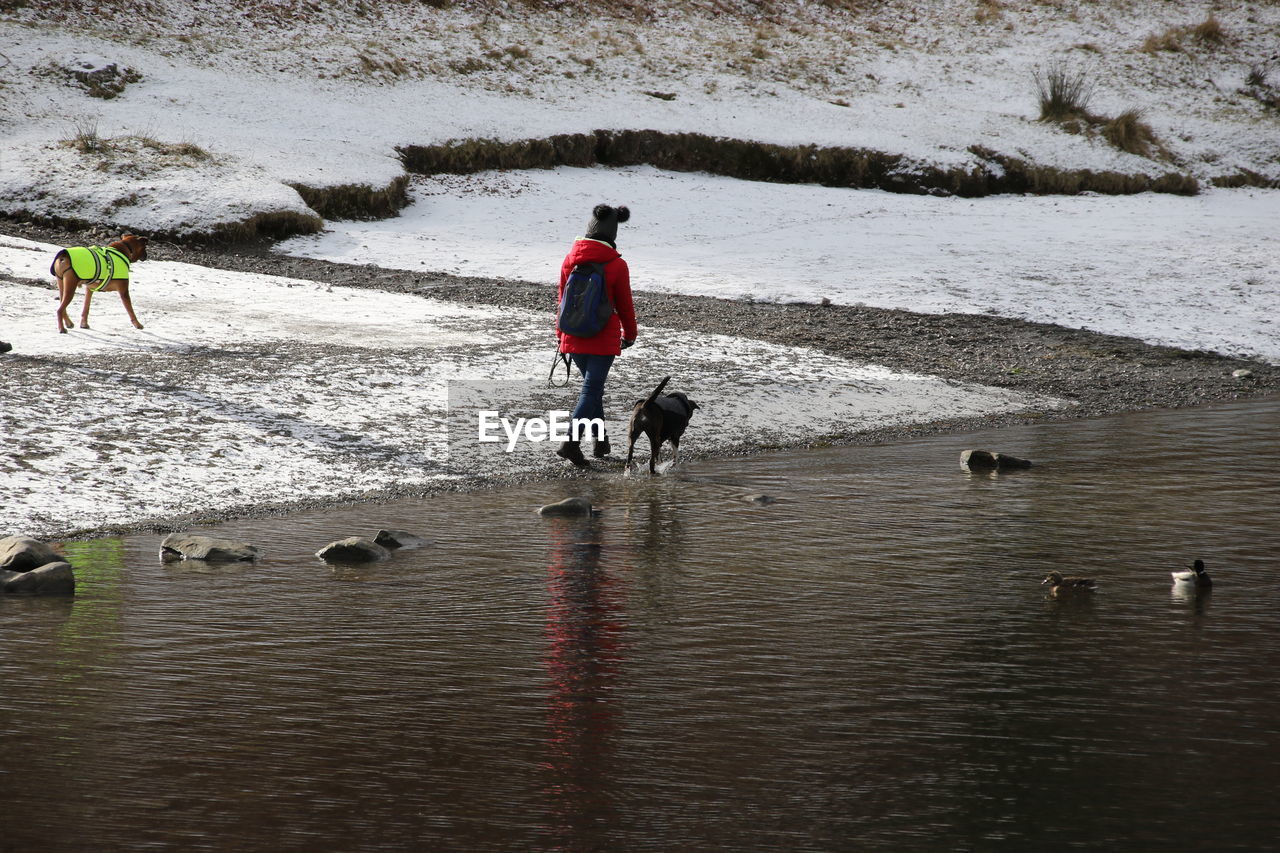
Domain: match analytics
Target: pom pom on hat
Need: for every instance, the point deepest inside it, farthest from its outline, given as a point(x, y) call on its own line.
point(604, 222)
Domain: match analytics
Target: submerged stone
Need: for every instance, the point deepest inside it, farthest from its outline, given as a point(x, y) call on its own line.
point(568, 506)
point(398, 539)
point(49, 579)
point(985, 460)
point(353, 549)
point(193, 546)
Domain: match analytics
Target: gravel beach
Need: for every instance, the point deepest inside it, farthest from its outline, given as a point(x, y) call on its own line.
point(1103, 374)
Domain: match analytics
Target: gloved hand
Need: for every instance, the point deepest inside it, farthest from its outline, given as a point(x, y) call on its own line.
point(626, 342)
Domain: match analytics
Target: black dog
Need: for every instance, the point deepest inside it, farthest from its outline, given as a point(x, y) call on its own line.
point(662, 419)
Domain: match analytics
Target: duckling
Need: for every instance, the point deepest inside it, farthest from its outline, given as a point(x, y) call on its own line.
point(1058, 585)
point(1195, 575)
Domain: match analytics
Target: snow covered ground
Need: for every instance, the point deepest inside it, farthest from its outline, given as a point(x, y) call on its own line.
point(1198, 272)
point(224, 106)
point(248, 389)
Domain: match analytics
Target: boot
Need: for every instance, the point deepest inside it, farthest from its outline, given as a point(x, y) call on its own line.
point(571, 451)
point(601, 448)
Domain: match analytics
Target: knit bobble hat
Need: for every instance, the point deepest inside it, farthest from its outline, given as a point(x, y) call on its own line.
point(604, 223)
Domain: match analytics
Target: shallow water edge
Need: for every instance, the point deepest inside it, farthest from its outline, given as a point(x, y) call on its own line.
point(868, 662)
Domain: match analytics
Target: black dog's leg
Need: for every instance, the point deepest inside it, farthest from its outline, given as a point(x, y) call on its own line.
point(631, 448)
point(634, 431)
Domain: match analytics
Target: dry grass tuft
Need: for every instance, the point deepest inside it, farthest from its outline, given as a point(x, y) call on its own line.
point(988, 11)
point(178, 150)
point(1064, 93)
point(1209, 33)
point(1064, 99)
point(110, 152)
point(1257, 85)
point(1169, 40)
point(1130, 133)
point(84, 137)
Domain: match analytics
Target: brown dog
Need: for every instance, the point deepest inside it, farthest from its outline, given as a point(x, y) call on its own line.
point(100, 268)
point(663, 419)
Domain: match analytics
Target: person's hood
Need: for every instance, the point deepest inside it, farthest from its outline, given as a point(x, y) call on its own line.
point(592, 252)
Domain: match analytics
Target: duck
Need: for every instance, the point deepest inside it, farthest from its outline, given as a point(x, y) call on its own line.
point(1195, 575)
point(1059, 585)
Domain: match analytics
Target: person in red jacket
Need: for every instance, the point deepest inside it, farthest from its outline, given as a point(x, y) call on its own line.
point(594, 355)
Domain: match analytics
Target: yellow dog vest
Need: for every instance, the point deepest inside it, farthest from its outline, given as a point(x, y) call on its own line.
point(98, 265)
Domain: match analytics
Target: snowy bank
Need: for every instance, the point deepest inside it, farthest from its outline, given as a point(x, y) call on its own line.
point(1191, 272)
point(933, 84)
point(251, 390)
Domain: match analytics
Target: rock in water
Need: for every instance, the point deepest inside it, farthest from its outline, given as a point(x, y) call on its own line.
point(193, 546)
point(22, 554)
point(398, 539)
point(1005, 462)
point(985, 460)
point(49, 579)
point(568, 506)
point(353, 549)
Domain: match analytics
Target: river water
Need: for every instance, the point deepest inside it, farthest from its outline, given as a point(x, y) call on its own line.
point(867, 663)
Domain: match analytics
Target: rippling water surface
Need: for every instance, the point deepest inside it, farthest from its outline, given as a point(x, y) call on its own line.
point(869, 663)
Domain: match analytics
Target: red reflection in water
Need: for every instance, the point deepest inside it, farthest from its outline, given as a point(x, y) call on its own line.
point(584, 657)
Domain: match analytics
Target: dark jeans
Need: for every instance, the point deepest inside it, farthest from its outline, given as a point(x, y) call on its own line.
point(595, 370)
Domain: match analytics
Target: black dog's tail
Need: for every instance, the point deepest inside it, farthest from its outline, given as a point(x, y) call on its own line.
point(658, 390)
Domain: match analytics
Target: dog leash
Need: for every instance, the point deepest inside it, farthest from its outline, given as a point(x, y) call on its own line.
point(556, 361)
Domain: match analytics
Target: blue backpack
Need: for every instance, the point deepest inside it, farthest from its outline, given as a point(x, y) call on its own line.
point(584, 306)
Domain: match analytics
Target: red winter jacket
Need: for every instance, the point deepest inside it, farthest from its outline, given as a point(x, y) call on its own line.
point(617, 279)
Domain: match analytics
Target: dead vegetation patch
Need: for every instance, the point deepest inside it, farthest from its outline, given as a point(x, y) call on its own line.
point(1064, 94)
point(1022, 176)
point(269, 225)
point(1128, 132)
point(800, 164)
point(97, 81)
point(988, 11)
point(139, 152)
point(1246, 178)
point(1208, 33)
point(1258, 85)
point(357, 201)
